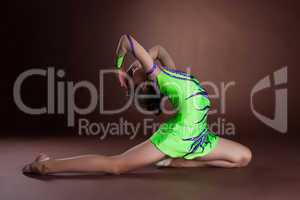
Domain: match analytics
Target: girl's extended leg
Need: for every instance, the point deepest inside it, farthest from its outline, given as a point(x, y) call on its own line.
point(227, 154)
point(139, 156)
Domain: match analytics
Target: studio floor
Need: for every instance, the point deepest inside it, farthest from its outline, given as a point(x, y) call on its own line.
point(273, 173)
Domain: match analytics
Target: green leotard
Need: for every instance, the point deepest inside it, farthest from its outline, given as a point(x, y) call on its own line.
point(187, 134)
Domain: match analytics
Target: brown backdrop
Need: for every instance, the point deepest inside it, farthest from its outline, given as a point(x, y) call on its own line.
point(241, 41)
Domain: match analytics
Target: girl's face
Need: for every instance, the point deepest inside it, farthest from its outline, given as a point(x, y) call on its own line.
point(139, 77)
point(142, 86)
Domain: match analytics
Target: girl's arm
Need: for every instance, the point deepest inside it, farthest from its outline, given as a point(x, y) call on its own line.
point(157, 53)
point(160, 53)
point(129, 44)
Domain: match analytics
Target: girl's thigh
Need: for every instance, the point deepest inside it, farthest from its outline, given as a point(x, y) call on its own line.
point(228, 150)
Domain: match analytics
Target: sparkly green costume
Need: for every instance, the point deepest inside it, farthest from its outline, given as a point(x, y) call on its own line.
point(186, 135)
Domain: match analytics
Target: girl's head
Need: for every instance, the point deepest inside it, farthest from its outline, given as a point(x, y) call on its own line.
point(148, 96)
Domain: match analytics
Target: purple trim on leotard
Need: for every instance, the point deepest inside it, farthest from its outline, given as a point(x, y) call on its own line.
point(202, 109)
point(131, 44)
point(204, 93)
point(154, 66)
point(178, 72)
point(165, 71)
point(204, 116)
point(198, 141)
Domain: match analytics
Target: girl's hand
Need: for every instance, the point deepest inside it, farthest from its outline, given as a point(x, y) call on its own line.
point(122, 79)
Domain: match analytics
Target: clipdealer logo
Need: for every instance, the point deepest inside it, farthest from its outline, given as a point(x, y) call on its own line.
point(280, 120)
point(59, 103)
point(61, 100)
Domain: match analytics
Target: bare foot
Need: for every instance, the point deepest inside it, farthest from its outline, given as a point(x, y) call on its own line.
point(179, 162)
point(164, 163)
point(37, 166)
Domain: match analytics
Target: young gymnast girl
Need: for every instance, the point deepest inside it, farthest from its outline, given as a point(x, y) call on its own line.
point(183, 141)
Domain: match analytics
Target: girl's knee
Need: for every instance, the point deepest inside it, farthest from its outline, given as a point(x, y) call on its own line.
point(244, 157)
